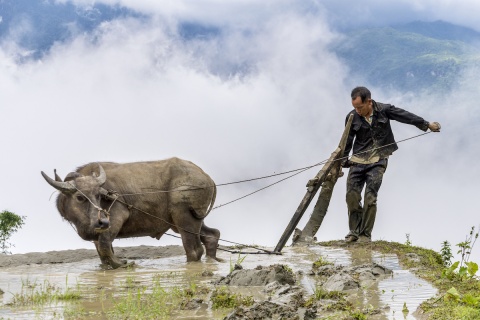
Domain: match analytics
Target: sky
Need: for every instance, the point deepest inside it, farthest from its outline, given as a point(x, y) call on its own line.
point(264, 97)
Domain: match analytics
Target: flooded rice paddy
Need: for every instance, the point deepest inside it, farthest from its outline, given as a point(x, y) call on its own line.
point(99, 288)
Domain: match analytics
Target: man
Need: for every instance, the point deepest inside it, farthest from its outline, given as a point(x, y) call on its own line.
point(372, 139)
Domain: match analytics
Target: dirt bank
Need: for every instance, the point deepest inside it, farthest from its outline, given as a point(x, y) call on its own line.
point(65, 256)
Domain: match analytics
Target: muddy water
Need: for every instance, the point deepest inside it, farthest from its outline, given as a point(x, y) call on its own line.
point(95, 284)
point(403, 288)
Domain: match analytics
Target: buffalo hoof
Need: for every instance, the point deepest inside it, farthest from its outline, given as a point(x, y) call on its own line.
point(127, 264)
point(116, 263)
point(215, 258)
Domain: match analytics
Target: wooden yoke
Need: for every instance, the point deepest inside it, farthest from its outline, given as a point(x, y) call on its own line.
point(332, 163)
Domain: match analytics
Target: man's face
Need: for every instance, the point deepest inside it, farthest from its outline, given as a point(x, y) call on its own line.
point(362, 108)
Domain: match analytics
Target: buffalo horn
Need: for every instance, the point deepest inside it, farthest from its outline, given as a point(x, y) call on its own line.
point(62, 186)
point(102, 177)
point(57, 177)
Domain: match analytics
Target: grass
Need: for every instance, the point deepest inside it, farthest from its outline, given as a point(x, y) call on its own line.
point(321, 261)
point(319, 293)
point(34, 293)
point(154, 301)
point(222, 298)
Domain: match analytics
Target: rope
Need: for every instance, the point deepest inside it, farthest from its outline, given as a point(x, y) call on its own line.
point(264, 251)
point(99, 209)
point(298, 171)
point(129, 206)
point(307, 168)
point(115, 196)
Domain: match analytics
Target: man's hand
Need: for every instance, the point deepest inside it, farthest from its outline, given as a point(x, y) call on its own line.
point(434, 126)
point(312, 182)
point(346, 163)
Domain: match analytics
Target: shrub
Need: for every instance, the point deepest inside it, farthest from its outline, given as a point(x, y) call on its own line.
point(9, 224)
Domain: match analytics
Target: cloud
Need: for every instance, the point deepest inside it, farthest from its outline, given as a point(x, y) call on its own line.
point(264, 96)
point(133, 91)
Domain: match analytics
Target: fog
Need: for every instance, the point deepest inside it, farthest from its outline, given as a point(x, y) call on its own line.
point(264, 96)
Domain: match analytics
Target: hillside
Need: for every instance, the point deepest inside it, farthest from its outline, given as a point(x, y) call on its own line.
point(37, 25)
point(415, 56)
point(411, 57)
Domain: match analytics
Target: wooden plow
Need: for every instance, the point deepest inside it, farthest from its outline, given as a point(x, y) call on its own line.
point(329, 173)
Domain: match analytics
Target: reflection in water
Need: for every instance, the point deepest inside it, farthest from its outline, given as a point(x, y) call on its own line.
point(100, 286)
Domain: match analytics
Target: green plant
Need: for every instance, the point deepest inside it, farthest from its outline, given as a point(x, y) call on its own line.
point(319, 294)
point(471, 300)
point(466, 269)
point(9, 224)
point(358, 315)
point(155, 302)
point(223, 298)
point(465, 251)
point(408, 242)
point(321, 261)
point(238, 262)
point(446, 253)
point(34, 293)
point(287, 268)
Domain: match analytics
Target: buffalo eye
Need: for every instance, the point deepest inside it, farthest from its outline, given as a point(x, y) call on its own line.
point(81, 198)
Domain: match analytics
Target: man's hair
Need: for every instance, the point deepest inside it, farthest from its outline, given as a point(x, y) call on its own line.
point(361, 92)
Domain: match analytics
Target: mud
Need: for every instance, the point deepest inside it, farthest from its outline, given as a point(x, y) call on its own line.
point(282, 286)
point(259, 276)
point(66, 256)
point(286, 300)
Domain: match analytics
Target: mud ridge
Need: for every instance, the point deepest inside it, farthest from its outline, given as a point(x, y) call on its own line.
point(65, 256)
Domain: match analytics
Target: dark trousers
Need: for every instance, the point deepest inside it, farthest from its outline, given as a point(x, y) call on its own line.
point(362, 218)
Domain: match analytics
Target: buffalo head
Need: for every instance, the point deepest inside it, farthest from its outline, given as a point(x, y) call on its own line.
point(80, 201)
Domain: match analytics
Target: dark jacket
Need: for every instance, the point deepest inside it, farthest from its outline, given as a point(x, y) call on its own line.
point(380, 132)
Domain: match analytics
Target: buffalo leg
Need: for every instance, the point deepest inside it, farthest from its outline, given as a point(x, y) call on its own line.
point(209, 238)
point(192, 245)
point(105, 252)
point(189, 229)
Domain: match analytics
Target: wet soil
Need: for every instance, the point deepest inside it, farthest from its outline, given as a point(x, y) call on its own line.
point(282, 286)
point(66, 256)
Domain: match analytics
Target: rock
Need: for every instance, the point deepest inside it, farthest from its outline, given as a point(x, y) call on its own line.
point(341, 282)
point(310, 314)
point(279, 273)
point(366, 275)
point(379, 270)
point(271, 287)
point(237, 267)
point(327, 270)
point(348, 278)
point(192, 304)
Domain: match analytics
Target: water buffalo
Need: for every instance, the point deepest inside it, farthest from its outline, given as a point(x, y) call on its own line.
point(106, 200)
